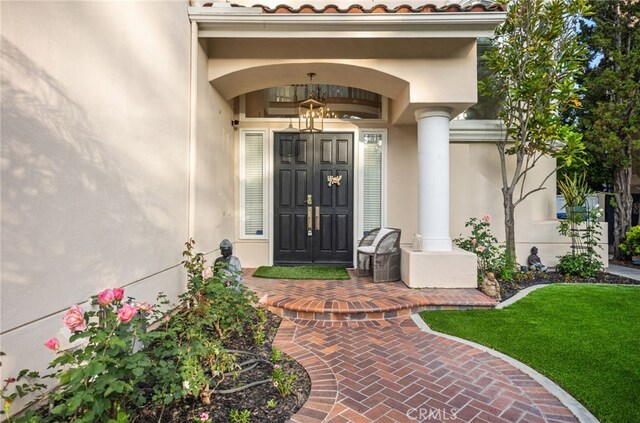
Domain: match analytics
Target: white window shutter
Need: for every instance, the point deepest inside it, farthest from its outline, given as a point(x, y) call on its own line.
point(253, 183)
point(372, 181)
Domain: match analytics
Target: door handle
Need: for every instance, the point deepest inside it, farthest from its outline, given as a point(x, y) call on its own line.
point(317, 218)
point(309, 218)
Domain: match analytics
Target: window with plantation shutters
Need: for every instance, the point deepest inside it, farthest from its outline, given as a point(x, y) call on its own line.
point(252, 186)
point(372, 180)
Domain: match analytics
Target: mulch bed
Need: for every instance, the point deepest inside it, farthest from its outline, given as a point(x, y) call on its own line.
point(253, 399)
point(528, 279)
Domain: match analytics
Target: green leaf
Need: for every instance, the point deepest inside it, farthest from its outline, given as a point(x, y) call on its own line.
point(59, 409)
point(74, 402)
point(95, 368)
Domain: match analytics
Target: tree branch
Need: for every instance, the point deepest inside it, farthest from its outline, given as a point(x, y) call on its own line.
point(540, 187)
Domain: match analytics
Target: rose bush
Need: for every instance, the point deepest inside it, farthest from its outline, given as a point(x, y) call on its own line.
point(491, 255)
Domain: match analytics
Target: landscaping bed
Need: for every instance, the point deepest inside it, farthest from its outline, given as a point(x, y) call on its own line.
point(255, 399)
point(207, 357)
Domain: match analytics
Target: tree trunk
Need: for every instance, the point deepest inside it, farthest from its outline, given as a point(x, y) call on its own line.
point(509, 223)
point(623, 206)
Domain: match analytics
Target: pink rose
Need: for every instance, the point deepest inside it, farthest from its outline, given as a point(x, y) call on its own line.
point(126, 313)
point(106, 297)
point(486, 218)
point(204, 416)
point(118, 294)
point(53, 344)
point(74, 319)
point(474, 241)
point(145, 307)
point(207, 273)
point(481, 248)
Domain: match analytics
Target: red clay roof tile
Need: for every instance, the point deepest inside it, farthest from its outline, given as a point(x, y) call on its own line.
point(379, 8)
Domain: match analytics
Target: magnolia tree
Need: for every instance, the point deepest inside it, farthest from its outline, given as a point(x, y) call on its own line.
point(535, 62)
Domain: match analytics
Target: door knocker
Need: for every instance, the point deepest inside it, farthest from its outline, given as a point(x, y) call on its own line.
point(334, 180)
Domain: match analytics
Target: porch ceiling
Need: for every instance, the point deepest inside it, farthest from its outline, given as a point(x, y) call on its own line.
point(239, 82)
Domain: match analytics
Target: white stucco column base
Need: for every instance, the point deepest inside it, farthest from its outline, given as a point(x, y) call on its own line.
point(438, 269)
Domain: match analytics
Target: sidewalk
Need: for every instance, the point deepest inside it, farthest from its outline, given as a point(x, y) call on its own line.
point(627, 272)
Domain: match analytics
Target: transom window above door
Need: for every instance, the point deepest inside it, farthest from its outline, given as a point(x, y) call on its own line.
point(342, 102)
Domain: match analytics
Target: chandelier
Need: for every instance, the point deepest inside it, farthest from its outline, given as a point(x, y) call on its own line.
point(311, 111)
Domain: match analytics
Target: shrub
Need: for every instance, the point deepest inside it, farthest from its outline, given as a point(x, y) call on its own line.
point(492, 256)
point(229, 308)
point(99, 380)
point(582, 225)
point(583, 265)
point(631, 245)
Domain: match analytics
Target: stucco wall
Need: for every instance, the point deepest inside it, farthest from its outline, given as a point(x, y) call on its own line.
point(95, 138)
point(214, 168)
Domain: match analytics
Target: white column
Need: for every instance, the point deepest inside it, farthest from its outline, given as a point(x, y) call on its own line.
point(433, 178)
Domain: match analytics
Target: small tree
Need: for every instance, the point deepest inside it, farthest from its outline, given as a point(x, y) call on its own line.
point(534, 65)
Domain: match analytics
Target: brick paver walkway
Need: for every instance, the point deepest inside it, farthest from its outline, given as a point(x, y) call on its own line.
point(369, 362)
point(390, 371)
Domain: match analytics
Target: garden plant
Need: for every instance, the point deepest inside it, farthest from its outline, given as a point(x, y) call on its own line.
point(129, 357)
point(582, 225)
point(492, 256)
point(631, 245)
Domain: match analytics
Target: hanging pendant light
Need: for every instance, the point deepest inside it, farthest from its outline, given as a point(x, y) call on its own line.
point(311, 111)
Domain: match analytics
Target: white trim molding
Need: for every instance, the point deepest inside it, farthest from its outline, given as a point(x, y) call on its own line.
point(476, 130)
point(242, 22)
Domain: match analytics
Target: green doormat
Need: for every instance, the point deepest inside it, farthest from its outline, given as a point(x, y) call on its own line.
point(302, 272)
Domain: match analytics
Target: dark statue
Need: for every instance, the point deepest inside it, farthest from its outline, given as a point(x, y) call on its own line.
point(228, 266)
point(534, 263)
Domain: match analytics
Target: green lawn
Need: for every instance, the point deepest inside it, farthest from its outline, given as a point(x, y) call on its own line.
point(586, 338)
point(302, 272)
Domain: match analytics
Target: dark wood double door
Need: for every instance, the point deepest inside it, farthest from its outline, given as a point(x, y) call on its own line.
point(313, 199)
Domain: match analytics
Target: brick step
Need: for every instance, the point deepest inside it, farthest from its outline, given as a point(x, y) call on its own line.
point(349, 314)
point(358, 299)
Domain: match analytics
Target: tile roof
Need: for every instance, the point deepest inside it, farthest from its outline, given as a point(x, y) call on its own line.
point(380, 8)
